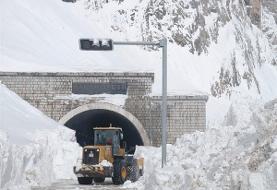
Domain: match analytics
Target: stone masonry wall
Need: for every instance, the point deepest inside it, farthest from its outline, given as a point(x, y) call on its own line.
point(185, 114)
point(40, 89)
point(46, 91)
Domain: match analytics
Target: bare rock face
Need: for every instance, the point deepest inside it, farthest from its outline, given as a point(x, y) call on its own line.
point(184, 22)
point(188, 24)
point(254, 11)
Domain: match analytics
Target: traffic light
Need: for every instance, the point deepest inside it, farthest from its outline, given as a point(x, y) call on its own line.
point(96, 45)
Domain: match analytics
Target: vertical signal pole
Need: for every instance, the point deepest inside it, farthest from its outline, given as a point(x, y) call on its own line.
point(163, 45)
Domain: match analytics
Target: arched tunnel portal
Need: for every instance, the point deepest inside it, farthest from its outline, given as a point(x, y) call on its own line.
point(84, 118)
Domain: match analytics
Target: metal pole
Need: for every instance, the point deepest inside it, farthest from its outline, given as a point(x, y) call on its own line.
point(163, 44)
point(136, 43)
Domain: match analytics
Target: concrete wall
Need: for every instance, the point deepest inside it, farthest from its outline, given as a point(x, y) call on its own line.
point(48, 91)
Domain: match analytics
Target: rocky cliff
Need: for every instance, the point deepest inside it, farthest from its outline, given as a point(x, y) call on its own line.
point(197, 26)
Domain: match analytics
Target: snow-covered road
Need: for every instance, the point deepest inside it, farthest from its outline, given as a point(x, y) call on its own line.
point(72, 184)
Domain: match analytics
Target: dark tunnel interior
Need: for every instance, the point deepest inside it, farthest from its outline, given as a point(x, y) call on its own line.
point(84, 123)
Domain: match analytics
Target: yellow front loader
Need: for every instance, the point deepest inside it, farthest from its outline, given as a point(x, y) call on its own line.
point(107, 158)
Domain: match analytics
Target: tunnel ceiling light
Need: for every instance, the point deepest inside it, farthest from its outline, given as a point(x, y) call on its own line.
point(107, 44)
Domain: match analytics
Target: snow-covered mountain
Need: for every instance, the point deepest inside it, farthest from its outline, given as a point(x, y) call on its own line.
point(213, 45)
point(218, 28)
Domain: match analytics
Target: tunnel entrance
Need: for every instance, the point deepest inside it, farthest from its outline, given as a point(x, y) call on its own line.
point(85, 118)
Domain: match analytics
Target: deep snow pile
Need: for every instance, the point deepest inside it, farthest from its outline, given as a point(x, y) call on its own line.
point(243, 156)
point(34, 150)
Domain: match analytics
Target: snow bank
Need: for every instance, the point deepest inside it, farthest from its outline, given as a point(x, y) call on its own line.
point(116, 99)
point(34, 150)
point(242, 156)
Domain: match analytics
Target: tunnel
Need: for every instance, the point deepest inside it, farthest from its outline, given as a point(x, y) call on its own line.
point(85, 118)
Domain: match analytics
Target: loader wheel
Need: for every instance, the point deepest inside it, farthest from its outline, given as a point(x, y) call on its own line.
point(85, 180)
point(120, 172)
point(99, 179)
point(133, 171)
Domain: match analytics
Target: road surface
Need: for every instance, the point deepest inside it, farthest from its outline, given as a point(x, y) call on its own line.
point(73, 185)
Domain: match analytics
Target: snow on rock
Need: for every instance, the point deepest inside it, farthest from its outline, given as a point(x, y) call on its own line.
point(213, 47)
point(242, 156)
point(269, 23)
point(34, 150)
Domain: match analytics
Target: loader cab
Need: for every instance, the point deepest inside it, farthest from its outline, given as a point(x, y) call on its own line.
point(109, 136)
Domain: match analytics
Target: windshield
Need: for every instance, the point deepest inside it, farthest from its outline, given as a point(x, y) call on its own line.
point(104, 137)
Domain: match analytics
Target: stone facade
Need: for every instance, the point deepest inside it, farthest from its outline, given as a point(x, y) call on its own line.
point(49, 91)
point(186, 114)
